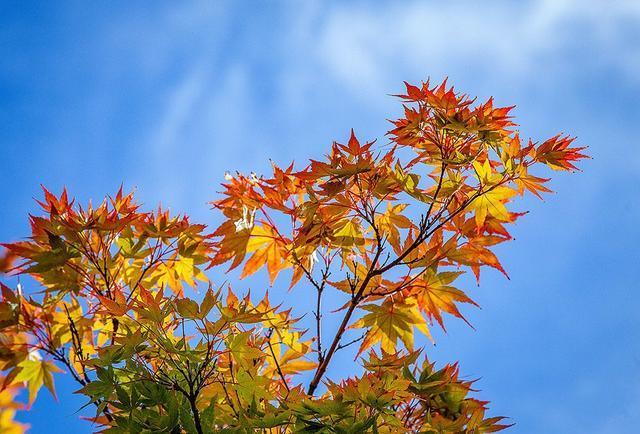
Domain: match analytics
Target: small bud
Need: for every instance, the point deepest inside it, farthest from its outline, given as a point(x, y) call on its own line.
point(247, 220)
point(34, 355)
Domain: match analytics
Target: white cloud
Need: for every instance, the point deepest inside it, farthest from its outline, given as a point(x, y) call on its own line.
point(200, 125)
point(179, 106)
point(511, 40)
point(151, 40)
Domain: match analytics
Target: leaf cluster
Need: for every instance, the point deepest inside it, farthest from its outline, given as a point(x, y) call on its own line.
point(387, 228)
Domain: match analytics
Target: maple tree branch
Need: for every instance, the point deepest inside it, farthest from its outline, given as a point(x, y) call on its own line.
point(196, 413)
point(351, 342)
point(355, 301)
point(430, 230)
point(396, 264)
point(319, 290)
point(322, 367)
point(60, 356)
point(76, 341)
point(318, 315)
point(275, 360)
point(152, 263)
point(229, 400)
point(192, 397)
point(426, 232)
point(443, 167)
point(424, 227)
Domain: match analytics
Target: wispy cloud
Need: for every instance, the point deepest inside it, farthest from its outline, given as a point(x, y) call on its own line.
point(509, 40)
point(179, 106)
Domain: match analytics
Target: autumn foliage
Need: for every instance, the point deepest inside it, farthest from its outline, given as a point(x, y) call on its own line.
point(388, 227)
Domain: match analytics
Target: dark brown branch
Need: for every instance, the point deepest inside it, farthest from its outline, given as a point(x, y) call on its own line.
point(196, 413)
point(351, 342)
point(275, 360)
point(61, 357)
point(426, 231)
point(76, 341)
point(322, 367)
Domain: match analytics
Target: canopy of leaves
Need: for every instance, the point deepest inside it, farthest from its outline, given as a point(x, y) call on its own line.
point(389, 228)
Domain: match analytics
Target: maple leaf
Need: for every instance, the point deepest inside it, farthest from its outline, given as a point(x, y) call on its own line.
point(243, 350)
point(35, 373)
point(390, 321)
point(434, 294)
point(348, 234)
point(117, 306)
point(392, 221)
point(8, 407)
point(268, 248)
point(531, 183)
point(492, 196)
point(475, 256)
point(492, 202)
point(6, 261)
point(557, 153)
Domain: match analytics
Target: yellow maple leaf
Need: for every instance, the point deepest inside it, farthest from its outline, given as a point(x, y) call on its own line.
point(391, 221)
point(493, 196)
point(348, 234)
point(268, 248)
point(492, 203)
point(35, 373)
point(390, 321)
point(434, 294)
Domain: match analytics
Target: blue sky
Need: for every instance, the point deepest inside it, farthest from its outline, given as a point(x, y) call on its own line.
point(165, 97)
